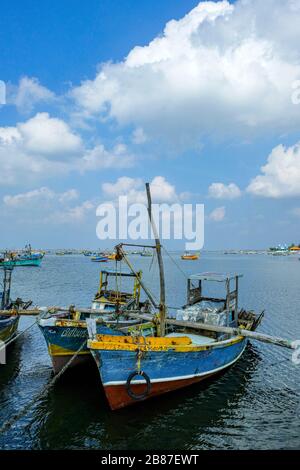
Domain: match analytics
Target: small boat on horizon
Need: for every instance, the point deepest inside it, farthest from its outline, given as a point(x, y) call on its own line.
point(190, 256)
point(99, 259)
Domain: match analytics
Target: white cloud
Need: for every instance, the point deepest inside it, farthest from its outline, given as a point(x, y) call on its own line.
point(40, 196)
point(44, 205)
point(45, 135)
point(29, 93)
point(71, 215)
point(221, 191)
point(138, 136)
point(221, 69)
point(100, 158)
point(134, 189)
point(280, 176)
point(218, 214)
point(44, 146)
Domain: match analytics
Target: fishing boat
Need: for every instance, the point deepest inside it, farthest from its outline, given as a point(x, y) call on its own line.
point(65, 330)
point(199, 343)
point(9, 317)
point(23, 258)
point(190, 256)
point(146, 253)
point(99, 259)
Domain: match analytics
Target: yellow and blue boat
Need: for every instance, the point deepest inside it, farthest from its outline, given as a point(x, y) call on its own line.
point(138, 367)
point(66, 331)
point(198, 343)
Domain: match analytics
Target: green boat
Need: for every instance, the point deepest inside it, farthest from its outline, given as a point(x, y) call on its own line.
point(20, 262)
point(24, 258)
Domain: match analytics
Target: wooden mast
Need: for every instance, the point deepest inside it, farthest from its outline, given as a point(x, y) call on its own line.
point(162, 304)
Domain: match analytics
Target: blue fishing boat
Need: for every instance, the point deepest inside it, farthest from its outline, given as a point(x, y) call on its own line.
point(198, 343)
point(137, 367)
point(99, 259)
point(65, 331)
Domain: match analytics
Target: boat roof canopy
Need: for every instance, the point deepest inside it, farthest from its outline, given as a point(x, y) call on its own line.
point(115, 272)
point(218, 277)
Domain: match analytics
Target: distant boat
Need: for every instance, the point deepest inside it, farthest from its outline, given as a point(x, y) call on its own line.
point(99, 259)
point(23, 258)
point(146, 253)
point(190, 256)
point(87, 253)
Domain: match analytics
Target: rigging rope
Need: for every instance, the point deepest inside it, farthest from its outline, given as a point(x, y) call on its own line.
point(17, 336)
point(176, 264)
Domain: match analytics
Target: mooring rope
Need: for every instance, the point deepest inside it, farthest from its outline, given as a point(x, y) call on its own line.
point(12, 340)
point(8, 424)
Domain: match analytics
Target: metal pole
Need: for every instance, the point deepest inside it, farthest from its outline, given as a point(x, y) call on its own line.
point(162, 305)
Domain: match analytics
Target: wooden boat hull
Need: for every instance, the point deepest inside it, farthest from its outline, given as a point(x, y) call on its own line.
point(168, 367)
point(8, 327)
point(22, 262)
point(65, 338)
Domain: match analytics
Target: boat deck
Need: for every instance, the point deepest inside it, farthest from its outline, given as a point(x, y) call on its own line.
point(196, 339)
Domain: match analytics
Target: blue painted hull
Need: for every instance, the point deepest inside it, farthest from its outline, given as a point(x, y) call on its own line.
point(167, 370)
point(63, 342)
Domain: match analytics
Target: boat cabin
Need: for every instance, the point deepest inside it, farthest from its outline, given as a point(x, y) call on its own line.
point(108, 298)
point(201, 307)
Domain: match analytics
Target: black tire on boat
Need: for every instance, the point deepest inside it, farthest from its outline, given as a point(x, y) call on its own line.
point(130, 392)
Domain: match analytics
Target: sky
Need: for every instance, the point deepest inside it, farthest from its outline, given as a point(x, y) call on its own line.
point(201, 99)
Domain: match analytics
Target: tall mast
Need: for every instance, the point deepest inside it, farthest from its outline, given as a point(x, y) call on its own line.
point(162, 304)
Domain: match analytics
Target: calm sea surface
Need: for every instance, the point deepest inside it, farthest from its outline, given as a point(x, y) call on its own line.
point(254, 405)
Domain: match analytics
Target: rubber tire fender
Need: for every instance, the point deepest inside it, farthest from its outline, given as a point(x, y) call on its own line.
point(130, 392)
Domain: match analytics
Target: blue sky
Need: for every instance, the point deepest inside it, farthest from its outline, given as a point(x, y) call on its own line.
point(105, 95)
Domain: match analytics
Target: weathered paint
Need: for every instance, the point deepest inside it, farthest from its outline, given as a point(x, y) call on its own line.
point(169, 366)
point(8, 327)
point(65, 338)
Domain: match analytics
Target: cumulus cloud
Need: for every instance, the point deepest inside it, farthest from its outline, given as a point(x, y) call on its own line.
point(71, 215)
point(218, 214)
point(44, 146)
point(221, 69)
point(280, 176)
point(39, 195)
point(29, 93)
point(221, 191)
point(134, 189)
point(48, 206)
